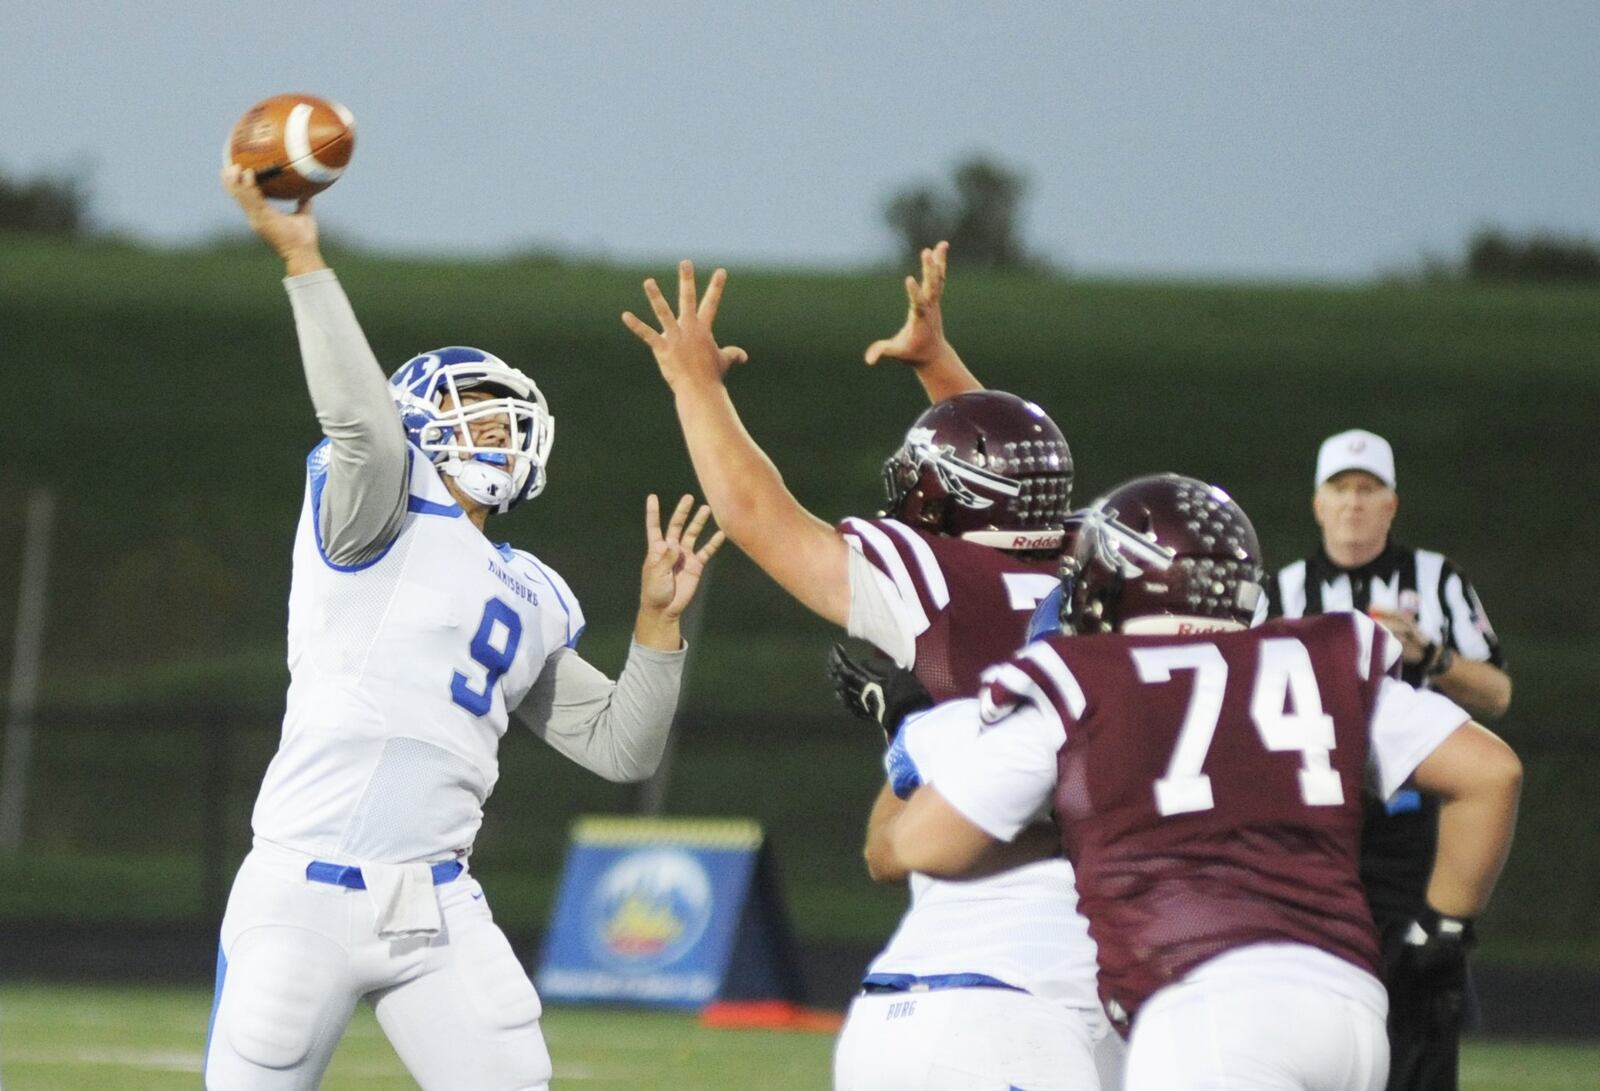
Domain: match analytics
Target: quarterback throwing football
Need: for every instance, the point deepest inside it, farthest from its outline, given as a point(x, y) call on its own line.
point(412, 638)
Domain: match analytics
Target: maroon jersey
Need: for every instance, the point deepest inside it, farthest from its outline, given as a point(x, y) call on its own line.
point(966, 604)
point(1209, 790)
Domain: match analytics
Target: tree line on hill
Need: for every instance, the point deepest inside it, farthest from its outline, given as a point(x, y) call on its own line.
point(1493, 254)
point(979, 208)
point(55, 205)
point(978, 211)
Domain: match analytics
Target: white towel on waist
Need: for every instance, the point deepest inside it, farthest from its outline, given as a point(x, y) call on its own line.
point(404, 902)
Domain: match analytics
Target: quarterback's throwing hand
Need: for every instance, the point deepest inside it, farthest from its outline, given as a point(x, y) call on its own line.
point(672, 564)
point(293, 235)
point(684, 346)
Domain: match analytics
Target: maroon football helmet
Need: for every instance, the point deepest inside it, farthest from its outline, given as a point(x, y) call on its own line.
point(986, 466)
point(1161, 545)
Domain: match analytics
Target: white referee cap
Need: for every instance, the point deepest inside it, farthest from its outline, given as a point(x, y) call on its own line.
point(1356, 450)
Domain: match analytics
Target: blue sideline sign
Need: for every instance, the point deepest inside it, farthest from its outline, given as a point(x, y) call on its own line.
point(671, 912)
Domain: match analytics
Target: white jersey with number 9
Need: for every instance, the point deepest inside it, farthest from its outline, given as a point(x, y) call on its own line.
point(403, 673)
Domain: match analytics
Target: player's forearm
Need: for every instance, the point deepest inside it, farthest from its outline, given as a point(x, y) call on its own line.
point(346, 383)
point(635, 726)
point(363, 498)
point(945, 374)
point(754, 507)
point(302, 260)
point(654, 629)
point(882, 865)
point(1483, 689)
point(740, 482)
point(1475, 833)
point(934, 838)
point(1040, 841)
point(615, 729)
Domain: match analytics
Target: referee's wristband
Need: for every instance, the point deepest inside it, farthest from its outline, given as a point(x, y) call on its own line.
point(1437, 658)
point(1433, 924)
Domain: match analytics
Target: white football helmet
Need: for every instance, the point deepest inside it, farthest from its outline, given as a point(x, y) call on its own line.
point(499, 477)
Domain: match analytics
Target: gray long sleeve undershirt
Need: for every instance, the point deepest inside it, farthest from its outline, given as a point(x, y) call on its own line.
point(615, 729)
point(363, 499)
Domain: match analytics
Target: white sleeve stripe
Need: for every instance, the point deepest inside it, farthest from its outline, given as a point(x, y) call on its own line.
point(1466, 637)
point(1369, 632)
point(1393, 651)
point(1433, 613)
point(1292, 586)
point(877, 547)
point(1018, 681)
point(1046, 659)
point(878, 613)
point(887, 558)
point(1365, 627)
point(1389, 645)
point(932, 574)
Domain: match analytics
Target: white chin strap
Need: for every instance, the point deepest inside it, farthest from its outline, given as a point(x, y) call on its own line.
point(489, 485)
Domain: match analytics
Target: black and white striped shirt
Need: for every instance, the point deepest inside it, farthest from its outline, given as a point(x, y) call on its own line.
point(1423, 584)
point(1397, 841)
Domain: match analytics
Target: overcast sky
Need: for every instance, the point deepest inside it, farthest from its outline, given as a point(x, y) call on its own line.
point(1169, 137)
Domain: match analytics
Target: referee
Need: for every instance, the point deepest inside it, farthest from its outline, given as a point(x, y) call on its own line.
point(1427, 602)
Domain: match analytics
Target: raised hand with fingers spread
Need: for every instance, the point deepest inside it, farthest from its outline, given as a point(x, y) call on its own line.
point(922, 337)
point(921, 343)
point(673, 562)
point(684, 346)
point(741, 484)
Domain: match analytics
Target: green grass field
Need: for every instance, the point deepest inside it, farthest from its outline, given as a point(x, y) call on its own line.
point(65, 1039)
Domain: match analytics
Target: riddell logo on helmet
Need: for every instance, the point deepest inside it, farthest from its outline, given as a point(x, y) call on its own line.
point(1191, 628)
point(1039, 539)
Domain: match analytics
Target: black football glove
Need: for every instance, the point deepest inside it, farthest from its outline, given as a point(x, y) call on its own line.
point(1432, 969)
point(876, 690)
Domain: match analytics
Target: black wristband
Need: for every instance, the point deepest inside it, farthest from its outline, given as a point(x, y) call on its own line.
point(1443, 926)
point(1443, 657)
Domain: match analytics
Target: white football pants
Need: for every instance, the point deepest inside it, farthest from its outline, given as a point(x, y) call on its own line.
point(970, 1040)
point(1262, 1035)
point(296, 955)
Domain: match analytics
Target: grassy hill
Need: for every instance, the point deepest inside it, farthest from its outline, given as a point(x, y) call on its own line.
point(159, 395)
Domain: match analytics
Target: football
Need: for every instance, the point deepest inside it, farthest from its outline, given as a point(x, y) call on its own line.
point(297, 144)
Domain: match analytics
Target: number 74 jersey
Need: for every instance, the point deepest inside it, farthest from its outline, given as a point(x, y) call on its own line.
point(403, 671)
point(1208, 787)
